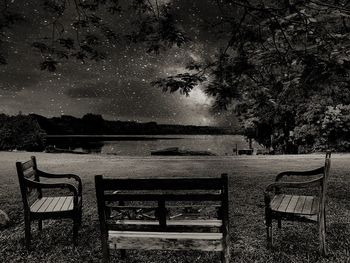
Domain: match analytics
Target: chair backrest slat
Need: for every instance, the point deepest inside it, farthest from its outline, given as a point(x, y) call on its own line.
point(27, 171)
point(323, 193)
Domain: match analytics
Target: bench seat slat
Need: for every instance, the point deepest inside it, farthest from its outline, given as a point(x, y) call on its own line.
point(165, 240)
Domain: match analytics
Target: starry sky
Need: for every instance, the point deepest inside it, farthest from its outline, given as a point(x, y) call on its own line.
point(119, 87)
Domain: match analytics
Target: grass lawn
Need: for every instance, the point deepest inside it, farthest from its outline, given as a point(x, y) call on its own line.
point(248, 177)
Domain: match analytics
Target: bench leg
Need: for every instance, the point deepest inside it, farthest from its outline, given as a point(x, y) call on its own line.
point(40, 225)
point(27, 231)
point(105, 251)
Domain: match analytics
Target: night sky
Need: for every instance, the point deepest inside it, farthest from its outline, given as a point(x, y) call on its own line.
point(119, 87)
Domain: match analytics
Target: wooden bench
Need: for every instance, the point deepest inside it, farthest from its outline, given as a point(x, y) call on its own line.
point(296, 207)
point(163, 214)
point(38, 207)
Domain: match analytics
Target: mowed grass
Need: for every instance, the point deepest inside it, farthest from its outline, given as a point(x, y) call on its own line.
point(248, 177)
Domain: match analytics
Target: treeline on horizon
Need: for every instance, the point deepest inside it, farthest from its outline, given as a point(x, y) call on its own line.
point(28, 132)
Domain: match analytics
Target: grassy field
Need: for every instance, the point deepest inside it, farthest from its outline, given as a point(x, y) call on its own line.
point(249, 176)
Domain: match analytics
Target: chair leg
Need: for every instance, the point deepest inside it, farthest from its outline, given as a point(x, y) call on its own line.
point(80, 217)
point(75, 231)
point(268, 222)
point(269, 236)
point(27, 231)
point(225, 255)
point(279, 223)
point(322, 235)
point(40, 225)
point(123, 254)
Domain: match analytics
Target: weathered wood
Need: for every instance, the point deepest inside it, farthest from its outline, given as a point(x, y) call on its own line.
point(276, 201)
point(307, 205)
point(163, 232)
point(29, 174)
point(284, 204)
point(292, 204)
point(165, 241)
point(68, 204)
point(45, 205)
point(298, 207)
point(26, 165)
point(164, 197)
point(37, 207)
point(60, 203)
point(163, 184)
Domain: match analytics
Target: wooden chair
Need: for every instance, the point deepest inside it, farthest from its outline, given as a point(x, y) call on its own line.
point(38, 207)
point(146, 214)
point(304, 208)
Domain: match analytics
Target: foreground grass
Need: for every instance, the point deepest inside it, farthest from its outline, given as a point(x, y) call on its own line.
point(249, 176)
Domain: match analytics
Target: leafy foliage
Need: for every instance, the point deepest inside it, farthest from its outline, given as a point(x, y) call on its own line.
point(285, 64)
point(21, 133)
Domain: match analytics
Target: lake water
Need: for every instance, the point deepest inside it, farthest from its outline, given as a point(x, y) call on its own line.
point(142, 145)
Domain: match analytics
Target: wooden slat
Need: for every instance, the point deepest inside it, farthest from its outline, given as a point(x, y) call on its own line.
point(165, 197)
point(59, 204)
point(27, 165)
point(165, 240)
point(163, 184)
point(315, 206)
point(284, 204)
point(276, 201)
point(209, 223)
point(308, 205)
point(300, 205)
point(53, 203)
point(37, 204)
point(29, 174)
point(67, 203)
point(45, 205)
point(292, 204)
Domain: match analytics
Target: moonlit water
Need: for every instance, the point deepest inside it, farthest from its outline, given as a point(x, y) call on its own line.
point(218, 144)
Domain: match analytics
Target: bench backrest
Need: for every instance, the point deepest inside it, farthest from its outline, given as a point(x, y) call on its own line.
point(28, 171)
point(162, 194)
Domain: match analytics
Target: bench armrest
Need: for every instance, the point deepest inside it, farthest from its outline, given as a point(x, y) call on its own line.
point(69, 176)
point(300, 173)
point(34, 184)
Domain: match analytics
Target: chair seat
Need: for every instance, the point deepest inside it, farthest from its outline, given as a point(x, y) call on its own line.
point(295, 204)
point(52, 204)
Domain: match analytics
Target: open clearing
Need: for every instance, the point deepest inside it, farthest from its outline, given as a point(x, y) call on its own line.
point(248, 177)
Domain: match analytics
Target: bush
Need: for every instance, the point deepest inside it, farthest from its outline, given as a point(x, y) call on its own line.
point(21, 132)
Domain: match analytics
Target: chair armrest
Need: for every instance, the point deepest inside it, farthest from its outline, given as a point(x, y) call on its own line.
point(278, 185)
point(69, 176)
point(301, 173)
point(34, 184)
